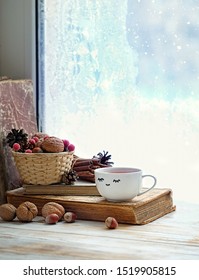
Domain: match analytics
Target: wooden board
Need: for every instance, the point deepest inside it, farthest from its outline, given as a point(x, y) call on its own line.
point(173, 237)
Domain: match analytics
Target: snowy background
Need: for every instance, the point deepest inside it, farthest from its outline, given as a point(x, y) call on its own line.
point(123, 76)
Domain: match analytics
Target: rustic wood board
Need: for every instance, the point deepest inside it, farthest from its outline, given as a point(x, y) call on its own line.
point(173, 237)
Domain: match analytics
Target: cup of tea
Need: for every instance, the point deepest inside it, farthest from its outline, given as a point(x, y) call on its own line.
point(121, 183)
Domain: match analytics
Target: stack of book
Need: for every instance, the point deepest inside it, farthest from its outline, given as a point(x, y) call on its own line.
point(84, 199)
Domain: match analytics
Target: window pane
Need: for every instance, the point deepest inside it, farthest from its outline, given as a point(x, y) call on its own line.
point(122, 76)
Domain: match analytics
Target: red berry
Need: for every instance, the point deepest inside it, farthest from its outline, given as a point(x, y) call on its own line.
point(66, 143)
point(28, 151)
point(36, 139)
point(32, 141)
point(71, 147)
point(16, 147)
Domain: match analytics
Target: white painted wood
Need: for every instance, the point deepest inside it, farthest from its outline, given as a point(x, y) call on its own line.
point(174, 236)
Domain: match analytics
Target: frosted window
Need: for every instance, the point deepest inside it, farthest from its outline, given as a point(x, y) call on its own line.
point(123, 76)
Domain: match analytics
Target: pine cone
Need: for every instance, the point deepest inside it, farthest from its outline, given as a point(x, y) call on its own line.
point(69, 177)
point(104, 158)
point(17, 136)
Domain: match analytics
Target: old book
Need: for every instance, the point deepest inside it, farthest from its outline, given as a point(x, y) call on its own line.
point(140, 210)
point(78, 188)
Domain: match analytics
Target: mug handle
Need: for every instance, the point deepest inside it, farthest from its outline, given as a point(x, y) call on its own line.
point(155, 181)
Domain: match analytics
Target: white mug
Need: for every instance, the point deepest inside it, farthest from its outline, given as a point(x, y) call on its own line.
point(120, 183)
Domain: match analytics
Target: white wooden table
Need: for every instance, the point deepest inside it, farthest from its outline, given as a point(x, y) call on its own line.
point(172, 237)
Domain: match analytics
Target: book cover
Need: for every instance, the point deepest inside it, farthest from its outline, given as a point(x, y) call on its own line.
point(79, 187)
point(140, 210)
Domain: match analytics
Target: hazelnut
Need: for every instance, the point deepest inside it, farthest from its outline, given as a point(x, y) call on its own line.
point(111, 223)
point(26, 211)
point(37, 150)
point(7, 212)
point(52, 145)
point(52, 219)
point(70, 217)
point(40, 138)
point(39, 143)
point(53, 208)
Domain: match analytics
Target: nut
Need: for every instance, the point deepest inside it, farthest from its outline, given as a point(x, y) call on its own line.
point(52, 219)
point(70, 217)
point(53, 208)
point(7, 212)
point(37, 150)
point(111, 223)
point(26, 211)
point(40, 135)
point(52, 145)
point(40, 138)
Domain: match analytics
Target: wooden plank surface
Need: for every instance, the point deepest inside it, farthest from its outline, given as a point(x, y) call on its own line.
point(174, 236)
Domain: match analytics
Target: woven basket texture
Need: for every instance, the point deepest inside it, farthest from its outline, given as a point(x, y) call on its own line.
point(42, 168)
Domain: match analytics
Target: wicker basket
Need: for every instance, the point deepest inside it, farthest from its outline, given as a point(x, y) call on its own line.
point(42, 168)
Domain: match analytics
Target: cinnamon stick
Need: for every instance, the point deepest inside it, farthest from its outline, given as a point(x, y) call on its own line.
point(81, 168)
point(85, 173)
point(85, 167)
point(80, 162)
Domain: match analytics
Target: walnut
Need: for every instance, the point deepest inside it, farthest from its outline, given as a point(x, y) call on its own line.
point(26, 211)
point(7, 212)
point(40, 138)
point(52, 145)
point(53, 208)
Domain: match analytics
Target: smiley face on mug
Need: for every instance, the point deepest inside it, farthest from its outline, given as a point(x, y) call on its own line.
point(101, 180)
